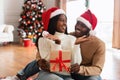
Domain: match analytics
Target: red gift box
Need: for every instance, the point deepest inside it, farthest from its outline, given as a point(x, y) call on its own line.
point(27, 42)
point(60, 61)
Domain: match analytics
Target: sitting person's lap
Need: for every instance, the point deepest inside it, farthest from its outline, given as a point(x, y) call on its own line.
point(80, 77)
point(43, 75)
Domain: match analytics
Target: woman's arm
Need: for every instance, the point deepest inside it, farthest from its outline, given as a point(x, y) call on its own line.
point(38, 57)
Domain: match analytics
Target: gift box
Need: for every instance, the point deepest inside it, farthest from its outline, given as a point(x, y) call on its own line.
point(60, 61)
point(27, 42)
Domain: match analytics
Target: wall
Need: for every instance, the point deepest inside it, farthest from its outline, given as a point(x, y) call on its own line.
point(49, 3)
point(104, 10)
point(10, 12)
point(1, 12)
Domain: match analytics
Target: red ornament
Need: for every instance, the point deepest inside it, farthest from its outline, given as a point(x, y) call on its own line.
point(23, 17)
point(28, 22)
point(31, 17)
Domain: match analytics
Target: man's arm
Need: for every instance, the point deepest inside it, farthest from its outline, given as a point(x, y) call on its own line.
point(97, 62)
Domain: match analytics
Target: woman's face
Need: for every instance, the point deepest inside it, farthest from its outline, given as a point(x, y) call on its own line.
point(61, 24)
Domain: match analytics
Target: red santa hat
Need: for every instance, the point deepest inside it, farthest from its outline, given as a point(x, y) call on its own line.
point(50, 13)
point(89, 19)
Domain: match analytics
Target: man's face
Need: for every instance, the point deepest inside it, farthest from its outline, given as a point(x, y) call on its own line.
point(81, 29)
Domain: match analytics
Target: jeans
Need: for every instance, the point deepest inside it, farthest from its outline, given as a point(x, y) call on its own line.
point(31, 69)
point(80, 77)
point(43, 75)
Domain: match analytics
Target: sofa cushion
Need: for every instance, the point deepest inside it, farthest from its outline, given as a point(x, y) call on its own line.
point(8, 28)
point(3, 35)
point(2, 28)
point(6, 34)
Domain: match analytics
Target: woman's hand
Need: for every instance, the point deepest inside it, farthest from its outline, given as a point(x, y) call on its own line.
point(75, 68)
point(54, 38)
point(82, 39)
point(44, 65)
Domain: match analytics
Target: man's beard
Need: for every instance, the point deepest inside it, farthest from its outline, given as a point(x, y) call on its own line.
point(84, 33)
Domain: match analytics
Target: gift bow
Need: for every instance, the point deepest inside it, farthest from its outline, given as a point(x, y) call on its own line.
point(61, 62)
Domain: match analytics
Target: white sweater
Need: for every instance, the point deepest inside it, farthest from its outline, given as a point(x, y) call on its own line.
point(67, 43)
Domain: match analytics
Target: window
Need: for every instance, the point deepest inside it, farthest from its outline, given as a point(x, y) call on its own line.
point(103, 9)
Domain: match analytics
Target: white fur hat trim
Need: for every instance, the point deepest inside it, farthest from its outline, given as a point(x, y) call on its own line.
point(57, 12)
point(87, 23)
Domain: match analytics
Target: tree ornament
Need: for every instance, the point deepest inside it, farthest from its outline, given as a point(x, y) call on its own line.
point(33, 18)
point(23, 16)
point(31, 27)
point(28, 22)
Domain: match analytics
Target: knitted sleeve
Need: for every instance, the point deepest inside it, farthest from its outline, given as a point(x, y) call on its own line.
point(76, 52)
point(97, 62)
point(46, 46)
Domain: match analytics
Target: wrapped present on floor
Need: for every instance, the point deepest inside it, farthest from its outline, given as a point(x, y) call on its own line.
point(60, 61)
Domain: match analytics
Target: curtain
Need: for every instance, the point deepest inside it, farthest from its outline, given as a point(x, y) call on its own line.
point(116, 25)
point(61, 4)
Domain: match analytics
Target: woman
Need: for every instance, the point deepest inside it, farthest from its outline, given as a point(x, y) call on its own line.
point(55, 23)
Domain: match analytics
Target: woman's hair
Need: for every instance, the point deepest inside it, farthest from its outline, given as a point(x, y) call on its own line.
point(51, 27)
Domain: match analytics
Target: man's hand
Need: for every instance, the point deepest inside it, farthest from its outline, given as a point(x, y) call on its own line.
point(75, 68)
point(44, 65)
point(82, 39)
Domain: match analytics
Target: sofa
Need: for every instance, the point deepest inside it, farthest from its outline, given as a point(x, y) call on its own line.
point(6, 33)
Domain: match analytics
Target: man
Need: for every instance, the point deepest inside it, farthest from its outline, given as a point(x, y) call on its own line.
point(92, 51)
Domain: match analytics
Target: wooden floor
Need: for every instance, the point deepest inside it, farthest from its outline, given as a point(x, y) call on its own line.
point(15, 57)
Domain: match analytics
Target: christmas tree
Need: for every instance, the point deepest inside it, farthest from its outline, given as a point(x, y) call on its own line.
point(30, 24)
